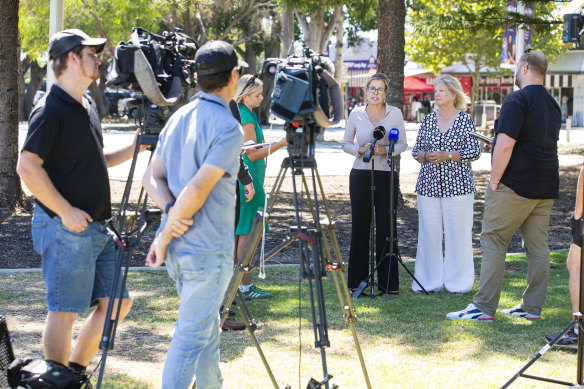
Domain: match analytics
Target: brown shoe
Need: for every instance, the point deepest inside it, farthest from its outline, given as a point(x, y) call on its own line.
point(232, 325)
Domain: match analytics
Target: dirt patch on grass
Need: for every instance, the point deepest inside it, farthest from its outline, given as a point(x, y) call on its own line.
point(15, 236)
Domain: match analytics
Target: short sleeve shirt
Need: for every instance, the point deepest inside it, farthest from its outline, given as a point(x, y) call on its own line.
point(68, 138)
point(533, 118)
point(203, 132)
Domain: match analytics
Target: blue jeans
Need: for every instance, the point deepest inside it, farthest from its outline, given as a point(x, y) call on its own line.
point(78, 267)
point(201, 281)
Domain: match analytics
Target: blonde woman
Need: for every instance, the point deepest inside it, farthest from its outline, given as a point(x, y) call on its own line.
point(445, 190)
point(249, 96)
point(360, 125)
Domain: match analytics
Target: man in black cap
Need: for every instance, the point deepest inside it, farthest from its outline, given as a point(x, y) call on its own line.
point(192, 175)
point(64, 165)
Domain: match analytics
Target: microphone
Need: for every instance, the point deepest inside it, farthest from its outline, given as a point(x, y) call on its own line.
point(378, 134)
point(482, 137)
point(393, 136)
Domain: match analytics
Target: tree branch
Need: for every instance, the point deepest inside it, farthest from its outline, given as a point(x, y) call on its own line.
point(102, 32)
point(242, 13)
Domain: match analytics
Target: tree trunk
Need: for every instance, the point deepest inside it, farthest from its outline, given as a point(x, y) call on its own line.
point(23, 67)
point(390, 47)
point(287, 33)
point(10, 189)
point(339, 46)
point(249, 33)
point(188, 23)
point(271, 49)
point(37, 74)
point(391, 15)
point(98, 92)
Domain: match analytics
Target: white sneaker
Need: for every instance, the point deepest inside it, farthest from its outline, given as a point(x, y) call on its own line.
point(517, 311)
point(470, 313)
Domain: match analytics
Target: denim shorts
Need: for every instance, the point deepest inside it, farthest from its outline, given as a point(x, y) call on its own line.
point(78, 267)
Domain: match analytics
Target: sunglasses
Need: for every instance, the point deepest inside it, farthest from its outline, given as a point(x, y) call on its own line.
point(251, 81)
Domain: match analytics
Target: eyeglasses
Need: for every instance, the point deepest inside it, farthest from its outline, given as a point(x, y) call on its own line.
point(376, 90)
point(528, 50)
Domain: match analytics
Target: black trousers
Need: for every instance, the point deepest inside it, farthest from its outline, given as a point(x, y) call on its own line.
point(359, 254)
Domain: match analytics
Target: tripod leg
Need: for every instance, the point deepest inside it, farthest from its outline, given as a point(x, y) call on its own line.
point(251, 327)
point(539, 354)
point(110, 325)
point(337, 270)
point(401, 262)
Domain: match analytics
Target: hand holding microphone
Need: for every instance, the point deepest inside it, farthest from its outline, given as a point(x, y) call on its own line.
point(378, 134)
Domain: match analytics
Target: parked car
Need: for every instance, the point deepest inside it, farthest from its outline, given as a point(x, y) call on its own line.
point(114, 95)
point(130, 106)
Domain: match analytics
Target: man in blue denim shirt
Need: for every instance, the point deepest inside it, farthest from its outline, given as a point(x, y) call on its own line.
point(193, 175)
point(64, 165)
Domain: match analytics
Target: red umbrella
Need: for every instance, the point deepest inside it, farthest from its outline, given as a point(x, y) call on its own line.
point(412, 85)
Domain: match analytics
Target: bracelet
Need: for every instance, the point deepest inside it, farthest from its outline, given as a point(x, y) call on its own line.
point(359, 154)
point(168, 206)
point(491, 181)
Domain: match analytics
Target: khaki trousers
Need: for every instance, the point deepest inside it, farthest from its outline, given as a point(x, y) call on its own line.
point(504, 213)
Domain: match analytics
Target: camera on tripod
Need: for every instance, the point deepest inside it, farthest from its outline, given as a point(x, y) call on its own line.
point(306, 96)
point(159, 66)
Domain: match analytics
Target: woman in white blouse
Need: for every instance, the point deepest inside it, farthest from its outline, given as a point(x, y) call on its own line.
point(360, 125)
point(445, 190)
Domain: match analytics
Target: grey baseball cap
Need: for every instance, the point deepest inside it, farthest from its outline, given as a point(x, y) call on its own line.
point(64, 41)
point(216, 57)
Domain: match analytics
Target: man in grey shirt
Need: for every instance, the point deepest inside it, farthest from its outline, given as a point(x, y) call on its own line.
point(192, 176)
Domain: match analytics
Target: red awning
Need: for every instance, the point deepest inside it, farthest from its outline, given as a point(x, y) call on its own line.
point(412, 84)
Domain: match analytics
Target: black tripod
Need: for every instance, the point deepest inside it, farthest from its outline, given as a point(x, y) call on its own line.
point(390, 249)
point(577, 321)
point(128, 227)
point(316, 259)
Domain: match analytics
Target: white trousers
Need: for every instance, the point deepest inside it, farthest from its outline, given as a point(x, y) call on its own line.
point(450, 266)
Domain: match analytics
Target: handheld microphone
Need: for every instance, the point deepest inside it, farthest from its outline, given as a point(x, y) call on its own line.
point(378, 134)
point(392, 136)
point(482, 137)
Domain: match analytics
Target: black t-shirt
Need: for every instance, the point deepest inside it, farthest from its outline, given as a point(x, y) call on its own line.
point(532, 117)
point(68, 138)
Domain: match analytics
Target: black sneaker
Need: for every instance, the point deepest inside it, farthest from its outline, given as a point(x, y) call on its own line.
point(81, 380)
point(568, 341)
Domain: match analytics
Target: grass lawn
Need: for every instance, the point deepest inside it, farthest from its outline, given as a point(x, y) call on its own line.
point(406, 340)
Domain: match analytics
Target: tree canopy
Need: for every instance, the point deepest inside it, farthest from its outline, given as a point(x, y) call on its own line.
point(444, 32)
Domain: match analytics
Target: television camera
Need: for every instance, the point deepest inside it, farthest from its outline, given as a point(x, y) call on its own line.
point(306, 96)
point(159, 66)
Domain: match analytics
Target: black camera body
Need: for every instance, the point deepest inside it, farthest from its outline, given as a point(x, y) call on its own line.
point(159, 66)
point(305, 96)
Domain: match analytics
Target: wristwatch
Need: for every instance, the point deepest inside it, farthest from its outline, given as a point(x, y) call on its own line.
point(450, 155)
point(491, 181)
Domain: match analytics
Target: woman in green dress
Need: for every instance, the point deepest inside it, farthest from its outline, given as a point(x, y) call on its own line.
point(249, 96)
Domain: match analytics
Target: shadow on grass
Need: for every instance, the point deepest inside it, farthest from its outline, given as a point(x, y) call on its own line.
point(415, 323)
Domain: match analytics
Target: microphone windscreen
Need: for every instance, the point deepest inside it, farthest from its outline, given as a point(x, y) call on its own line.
point(393, 134)
point(379, 132)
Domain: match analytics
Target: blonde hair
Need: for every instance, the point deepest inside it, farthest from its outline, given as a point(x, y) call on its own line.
point(248, 83)
point(453, 85)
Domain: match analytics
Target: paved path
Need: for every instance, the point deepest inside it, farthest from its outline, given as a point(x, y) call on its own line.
point(330, 157)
